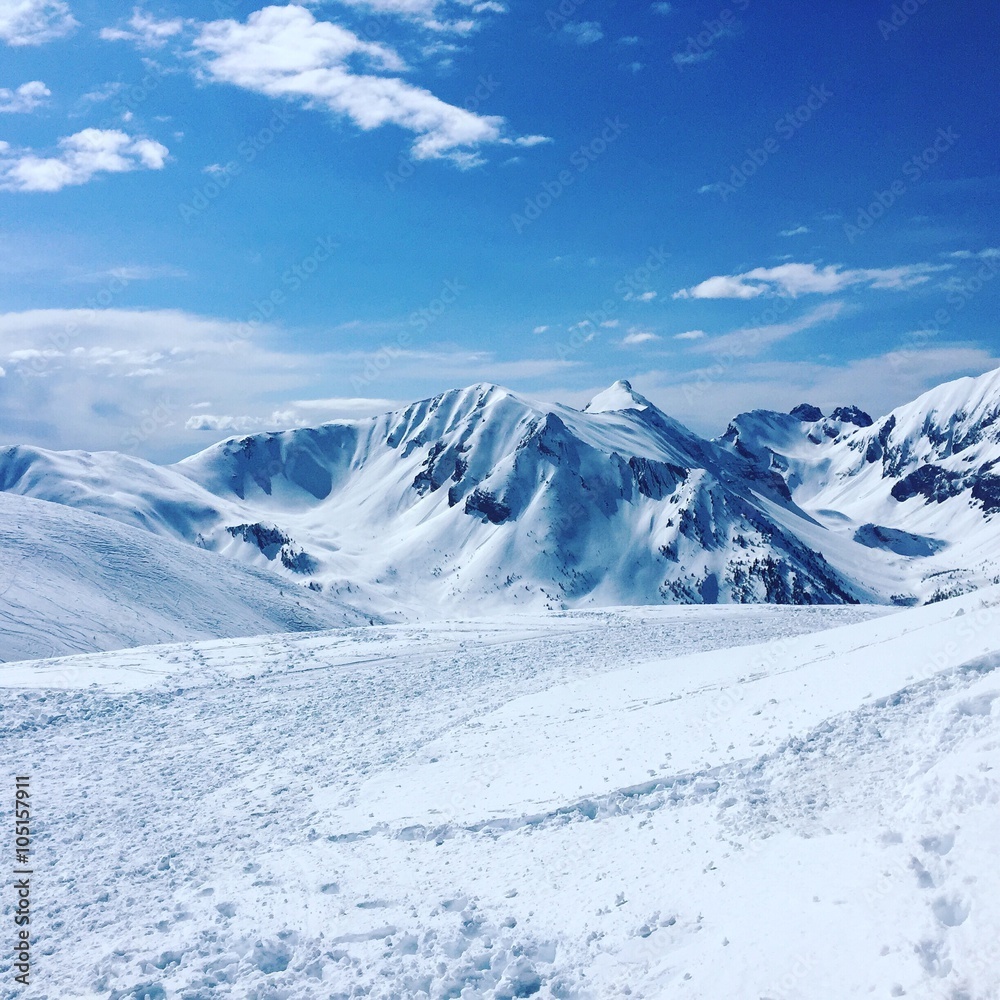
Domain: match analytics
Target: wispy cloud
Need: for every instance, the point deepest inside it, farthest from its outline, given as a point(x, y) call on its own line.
point(583, 32)
point(755, 339)
point(780, 385)
point(458, 17)
point(144, 30)
point(795, 231)
point(83, 377)
point(132, 272)
point(805, 279)
point(692, 58)
point(80, 158)
point(987, 253)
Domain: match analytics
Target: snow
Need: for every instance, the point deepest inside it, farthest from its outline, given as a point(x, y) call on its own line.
point(71, 581)
point(619, 396)
point(925, 471)
point(760, 802)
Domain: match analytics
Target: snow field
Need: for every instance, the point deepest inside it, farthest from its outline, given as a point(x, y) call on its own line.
point(814, 815)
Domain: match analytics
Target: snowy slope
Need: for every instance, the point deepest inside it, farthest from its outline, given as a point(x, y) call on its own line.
point(71, 582)
point(920, 487)
point(589, 804)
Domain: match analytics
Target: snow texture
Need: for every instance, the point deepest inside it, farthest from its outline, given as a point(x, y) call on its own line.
point(649, 802)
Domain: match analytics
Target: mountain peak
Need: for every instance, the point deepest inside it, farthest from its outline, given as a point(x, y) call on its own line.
point(618, 396)
point(807, 413)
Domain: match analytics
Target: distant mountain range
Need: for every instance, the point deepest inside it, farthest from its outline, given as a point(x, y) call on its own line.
point(480, 498)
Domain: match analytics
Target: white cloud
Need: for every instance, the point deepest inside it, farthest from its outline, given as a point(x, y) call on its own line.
point(297, 413)
point(25, 98)
point(720, 287)
point(691, 335)
point(34, 22)
point(103, 93)
point(802, 279)
point(583, 32)
point(224, 424)
point(81, 157)
point(634, 337)
point(145, 30)
point(641, 297)
point(284, 52)
point(629, 40)
point(540, 329)
point(795, 231)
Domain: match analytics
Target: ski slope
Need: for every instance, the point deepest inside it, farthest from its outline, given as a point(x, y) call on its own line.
point(71, 581)
point(758, 802)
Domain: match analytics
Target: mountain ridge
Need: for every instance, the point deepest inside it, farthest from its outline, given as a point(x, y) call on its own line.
point(480, 496)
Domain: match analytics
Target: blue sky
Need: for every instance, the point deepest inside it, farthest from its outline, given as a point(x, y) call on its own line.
point(216, 218)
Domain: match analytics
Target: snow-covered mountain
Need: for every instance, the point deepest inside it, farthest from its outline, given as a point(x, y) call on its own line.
point(470, 497)
point(920, 486)
point(480, 496)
